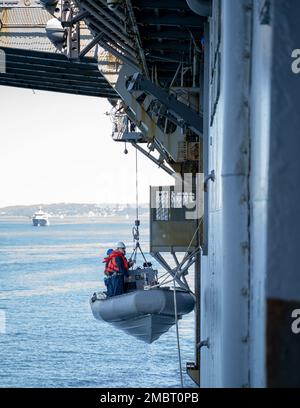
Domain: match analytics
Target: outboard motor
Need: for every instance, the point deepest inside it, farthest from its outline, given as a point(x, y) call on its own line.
point(140, 278)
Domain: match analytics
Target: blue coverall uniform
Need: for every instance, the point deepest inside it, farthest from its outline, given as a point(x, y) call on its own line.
point(117, 280)
point(109, 286)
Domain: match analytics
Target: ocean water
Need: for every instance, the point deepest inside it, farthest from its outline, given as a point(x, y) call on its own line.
point(51, 339)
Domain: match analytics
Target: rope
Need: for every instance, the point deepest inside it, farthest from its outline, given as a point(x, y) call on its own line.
point(136, 185)
point(164, 281)
point(175, 305)
point(177, 334)
point(188, 290)
point(164, 274)
point(135, 229)
point(200, 222)
point(133, 256)
point(184, 259)
point(138, 246)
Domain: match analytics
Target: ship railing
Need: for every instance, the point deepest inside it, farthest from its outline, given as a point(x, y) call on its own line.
point(124, 130)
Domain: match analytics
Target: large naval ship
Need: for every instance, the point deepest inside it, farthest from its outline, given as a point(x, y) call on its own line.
point(209, 90)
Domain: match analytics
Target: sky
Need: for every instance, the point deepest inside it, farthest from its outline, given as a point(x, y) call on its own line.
point(58, 148)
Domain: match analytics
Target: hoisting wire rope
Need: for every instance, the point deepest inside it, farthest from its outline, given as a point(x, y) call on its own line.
point(135, 229)
point(184, 259)
point(177, 334)
point(175, 303)
point(136, 185)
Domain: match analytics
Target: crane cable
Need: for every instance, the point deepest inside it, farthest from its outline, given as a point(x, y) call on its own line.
point(175, 298)
point(177, 334)
point(136, 185)
point(175, 305)
point(135, 229)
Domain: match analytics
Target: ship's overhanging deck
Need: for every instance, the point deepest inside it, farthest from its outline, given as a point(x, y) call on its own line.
point(54, 72)
point(165, 33)
point(34, 62)
point(168, 30)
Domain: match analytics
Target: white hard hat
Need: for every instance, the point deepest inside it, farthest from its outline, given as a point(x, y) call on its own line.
point(121, 244)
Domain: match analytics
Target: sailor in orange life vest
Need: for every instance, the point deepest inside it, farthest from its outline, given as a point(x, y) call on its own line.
point(107, 275)
point(117, 267)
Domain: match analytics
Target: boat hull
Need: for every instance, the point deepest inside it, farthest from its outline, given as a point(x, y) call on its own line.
point(144, 314)
point(39, 223)
point(147, 328)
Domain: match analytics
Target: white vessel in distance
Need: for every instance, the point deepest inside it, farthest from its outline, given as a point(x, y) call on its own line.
point(40, 218)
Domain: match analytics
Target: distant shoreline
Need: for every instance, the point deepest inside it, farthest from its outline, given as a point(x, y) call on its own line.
point(77, 219)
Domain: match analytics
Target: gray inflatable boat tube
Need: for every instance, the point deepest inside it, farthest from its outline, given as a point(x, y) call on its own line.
point(143, 314)
point(142, 302)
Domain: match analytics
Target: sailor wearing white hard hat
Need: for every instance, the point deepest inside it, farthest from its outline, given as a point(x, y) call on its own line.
point(118, 267)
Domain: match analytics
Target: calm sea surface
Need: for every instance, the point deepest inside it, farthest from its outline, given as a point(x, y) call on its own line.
point(47, 275)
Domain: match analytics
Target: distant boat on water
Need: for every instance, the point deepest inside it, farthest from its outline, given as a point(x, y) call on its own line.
point(40, 218)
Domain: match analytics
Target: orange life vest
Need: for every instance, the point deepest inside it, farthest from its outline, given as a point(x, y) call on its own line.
point(106, 261)
point(111, 264)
